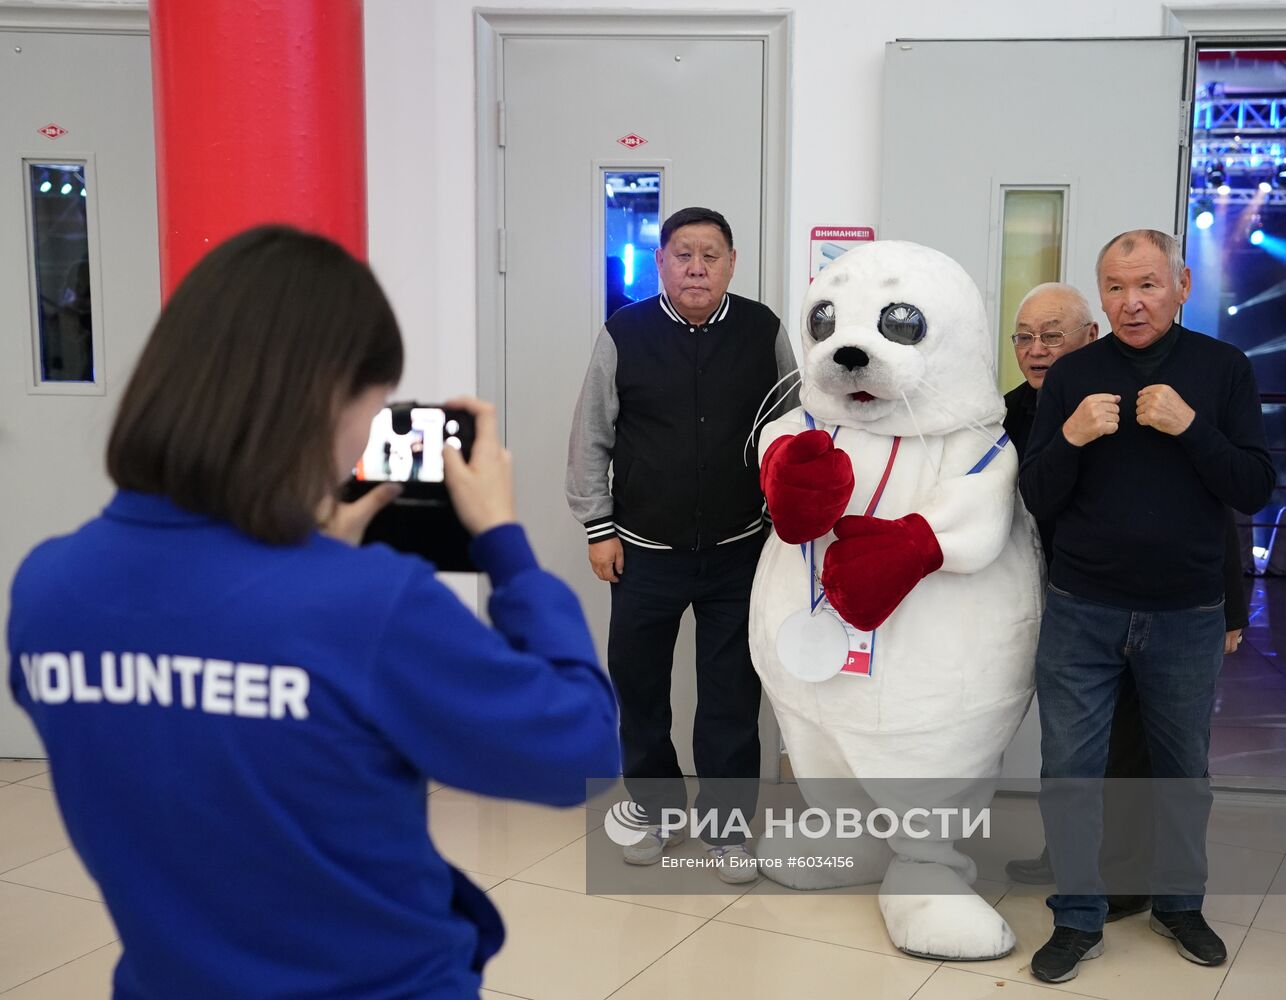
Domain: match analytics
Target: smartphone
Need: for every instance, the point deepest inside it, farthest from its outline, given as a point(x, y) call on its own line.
point(406, 442)
point(405, 446)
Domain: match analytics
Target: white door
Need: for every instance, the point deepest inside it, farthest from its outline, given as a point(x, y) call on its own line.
point(965, 123)
point(697, 104)
point(92, 287)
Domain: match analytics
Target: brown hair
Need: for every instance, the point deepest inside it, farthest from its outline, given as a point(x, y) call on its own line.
point(231, 410)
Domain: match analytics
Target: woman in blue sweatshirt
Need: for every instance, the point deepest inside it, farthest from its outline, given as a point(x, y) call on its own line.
point(241, 712)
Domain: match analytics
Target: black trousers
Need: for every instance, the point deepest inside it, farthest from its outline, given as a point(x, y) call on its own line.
point(655, 589)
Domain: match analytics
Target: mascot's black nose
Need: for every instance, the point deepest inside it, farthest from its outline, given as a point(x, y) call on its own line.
point(851, 357)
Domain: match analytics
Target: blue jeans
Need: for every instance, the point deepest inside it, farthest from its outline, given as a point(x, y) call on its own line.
point(1084, 652)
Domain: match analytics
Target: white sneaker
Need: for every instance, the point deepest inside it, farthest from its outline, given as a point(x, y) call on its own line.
point(734, 863)
point(648, 851)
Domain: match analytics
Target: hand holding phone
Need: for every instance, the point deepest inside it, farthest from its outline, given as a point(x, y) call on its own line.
point(416, 515)
point(481, 488)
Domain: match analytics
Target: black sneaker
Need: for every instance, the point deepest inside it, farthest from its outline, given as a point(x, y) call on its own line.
point(1126, 906)
point(1196, 941)
point(1031, 871)
point(1056, 962)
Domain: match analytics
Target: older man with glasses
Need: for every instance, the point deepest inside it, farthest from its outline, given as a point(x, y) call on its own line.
point(1053, 320)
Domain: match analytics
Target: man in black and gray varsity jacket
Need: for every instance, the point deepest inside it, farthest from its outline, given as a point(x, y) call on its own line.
point(669, 403)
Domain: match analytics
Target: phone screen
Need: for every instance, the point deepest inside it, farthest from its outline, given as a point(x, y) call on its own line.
point(412, 457)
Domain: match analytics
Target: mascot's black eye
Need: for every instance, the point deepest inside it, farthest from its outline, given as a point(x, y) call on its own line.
point(821, 320)
point(902, 323)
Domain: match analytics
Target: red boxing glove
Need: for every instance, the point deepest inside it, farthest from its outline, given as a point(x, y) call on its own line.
point(807, 482)
point(873, 564)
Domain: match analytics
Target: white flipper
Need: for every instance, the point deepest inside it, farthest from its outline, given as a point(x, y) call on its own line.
point(931, 912)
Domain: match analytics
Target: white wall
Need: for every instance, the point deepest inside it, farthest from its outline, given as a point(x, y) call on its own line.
point(420, 135)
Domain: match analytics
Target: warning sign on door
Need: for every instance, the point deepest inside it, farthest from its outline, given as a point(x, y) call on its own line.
point(828, 242)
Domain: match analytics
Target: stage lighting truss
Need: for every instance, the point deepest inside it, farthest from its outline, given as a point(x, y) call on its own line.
point(1245, 196)
point(1246, 116)
point(1236, 161)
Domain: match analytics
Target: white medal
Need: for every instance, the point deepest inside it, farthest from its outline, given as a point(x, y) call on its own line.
point(812, 647)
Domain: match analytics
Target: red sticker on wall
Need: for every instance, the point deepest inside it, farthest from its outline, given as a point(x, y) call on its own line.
point(632, 141)
point(52, 131)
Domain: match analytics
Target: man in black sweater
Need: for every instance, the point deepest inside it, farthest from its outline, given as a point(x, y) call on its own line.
point(1054, 320)
point(669, 401)
point(1140, 441)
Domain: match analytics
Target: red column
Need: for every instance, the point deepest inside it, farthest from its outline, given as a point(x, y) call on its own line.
point(260, 117)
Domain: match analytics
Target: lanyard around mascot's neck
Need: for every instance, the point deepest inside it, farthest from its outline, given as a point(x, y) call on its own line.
point(804, 630)
point(807, 549)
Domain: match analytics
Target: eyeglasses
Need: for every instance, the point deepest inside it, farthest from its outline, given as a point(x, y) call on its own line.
point(1050, 338)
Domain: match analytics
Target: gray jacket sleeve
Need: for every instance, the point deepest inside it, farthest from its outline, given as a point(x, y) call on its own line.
point(589, 452)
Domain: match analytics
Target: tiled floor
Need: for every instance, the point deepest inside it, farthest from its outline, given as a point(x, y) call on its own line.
point(750, 943)
point(58, 943)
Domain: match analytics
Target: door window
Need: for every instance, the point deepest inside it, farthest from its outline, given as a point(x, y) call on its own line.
point(631, 233)
point(1031, 253)
point(63, 328)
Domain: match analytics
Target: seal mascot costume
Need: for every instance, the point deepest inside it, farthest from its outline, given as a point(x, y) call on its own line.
point(895, 610)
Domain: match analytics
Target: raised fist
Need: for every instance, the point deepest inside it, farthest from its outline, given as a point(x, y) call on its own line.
point(1098, 414)
point(807, 482)
point(1160, 407)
